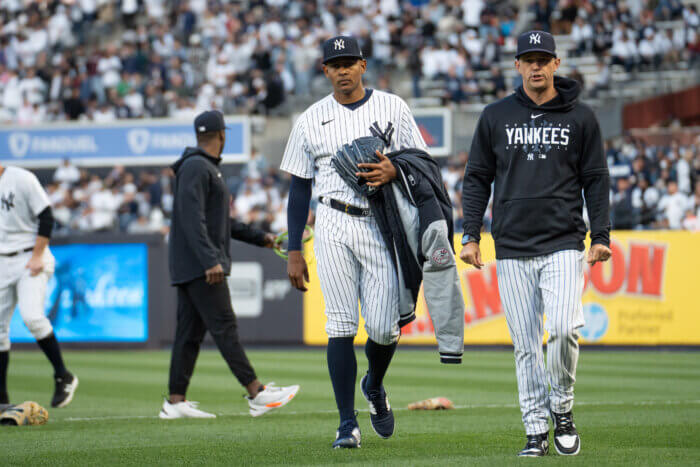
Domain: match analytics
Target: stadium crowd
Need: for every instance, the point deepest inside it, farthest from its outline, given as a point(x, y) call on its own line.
point(653, 187)
point(102, 60)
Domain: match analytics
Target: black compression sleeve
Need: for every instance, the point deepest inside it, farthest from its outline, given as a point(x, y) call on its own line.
point(297, 210)
point(45, 222)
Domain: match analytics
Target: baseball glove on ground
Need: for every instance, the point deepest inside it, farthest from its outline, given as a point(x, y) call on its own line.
point(361, 150)
point(436, 403)
point(26, 413)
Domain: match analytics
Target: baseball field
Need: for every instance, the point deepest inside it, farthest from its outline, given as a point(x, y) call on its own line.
point(632, 408)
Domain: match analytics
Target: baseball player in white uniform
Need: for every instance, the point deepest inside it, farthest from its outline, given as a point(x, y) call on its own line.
point(542, 149)
point(353, 261)
point(26, 265)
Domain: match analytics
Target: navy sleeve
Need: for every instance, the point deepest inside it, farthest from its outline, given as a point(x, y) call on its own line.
point(46, 222)
point(297, 210)
point(478, 176)
point(596, 182)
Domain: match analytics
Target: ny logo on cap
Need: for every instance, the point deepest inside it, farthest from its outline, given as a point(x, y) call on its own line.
point(534, 38)
point(339, 44)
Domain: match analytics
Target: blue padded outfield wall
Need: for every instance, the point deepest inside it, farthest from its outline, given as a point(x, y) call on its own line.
point(98, 293)
point(113, 291)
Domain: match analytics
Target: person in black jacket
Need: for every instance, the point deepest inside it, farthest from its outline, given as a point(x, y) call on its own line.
point(200, 258)
point(541, 148)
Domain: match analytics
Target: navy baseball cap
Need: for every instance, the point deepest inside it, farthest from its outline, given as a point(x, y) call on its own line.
point(341, 46)
point(209, 120)
point(536, 41)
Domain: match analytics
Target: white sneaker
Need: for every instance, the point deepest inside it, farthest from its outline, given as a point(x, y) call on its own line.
point(184, 409)
point(272, 397)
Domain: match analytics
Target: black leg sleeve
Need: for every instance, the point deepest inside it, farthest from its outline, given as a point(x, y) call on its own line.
point(4, 363)
point(49, 345)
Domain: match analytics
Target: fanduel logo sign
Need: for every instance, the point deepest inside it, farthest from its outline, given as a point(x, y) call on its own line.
point(141, 140)
point(21, 144)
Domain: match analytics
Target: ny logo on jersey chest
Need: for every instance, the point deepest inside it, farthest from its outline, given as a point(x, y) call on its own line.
point(7, 201)
point(385, 135)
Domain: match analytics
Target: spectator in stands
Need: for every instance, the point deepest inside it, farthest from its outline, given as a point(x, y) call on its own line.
point(543, 10)
point(470, 85)
point(66, 174)
point(645, 199)
point(73, 106)
point(602, 79)
point(602, 40)
point(673, 206)
point(649, 54)
point(624, 52)
point(496, 83)
point(624, 214)
point(582, 35)
point(684, 172)
point(454, 91)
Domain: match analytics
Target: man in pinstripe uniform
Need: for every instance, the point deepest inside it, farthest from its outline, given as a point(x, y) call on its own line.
point(26, 266)
point(353, 261)
point(542, 148)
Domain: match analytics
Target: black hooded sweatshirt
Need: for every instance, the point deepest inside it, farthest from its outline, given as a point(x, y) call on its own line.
point(201, 227)
point(541, 159)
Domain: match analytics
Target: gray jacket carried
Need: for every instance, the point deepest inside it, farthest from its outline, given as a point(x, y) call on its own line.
point(414, 214)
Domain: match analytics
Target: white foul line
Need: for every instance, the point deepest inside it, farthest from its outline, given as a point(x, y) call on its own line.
point(321, 412)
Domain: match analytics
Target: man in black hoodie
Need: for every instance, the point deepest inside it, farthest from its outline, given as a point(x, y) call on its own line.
point(541, 148)
point(200, 258)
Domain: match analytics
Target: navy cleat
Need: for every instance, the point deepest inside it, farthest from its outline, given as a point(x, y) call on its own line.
point(65, 390)
point(537, 446)
point(380, 413)
point(348, 435)
point(566, 439)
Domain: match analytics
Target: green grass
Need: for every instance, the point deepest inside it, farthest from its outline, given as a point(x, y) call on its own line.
point(640, 408)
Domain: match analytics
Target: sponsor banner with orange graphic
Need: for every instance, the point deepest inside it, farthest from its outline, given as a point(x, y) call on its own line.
point(646, 294)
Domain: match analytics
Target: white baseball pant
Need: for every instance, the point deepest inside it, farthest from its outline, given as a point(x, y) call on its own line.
point(18, 287)
point(549, 285)
point(354, 264)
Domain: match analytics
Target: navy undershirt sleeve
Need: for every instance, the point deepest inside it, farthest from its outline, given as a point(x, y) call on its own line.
point(297, 210)
point(45, 222)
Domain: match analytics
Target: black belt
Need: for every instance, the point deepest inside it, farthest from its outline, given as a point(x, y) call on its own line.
point(346, 208)
point(15, 253)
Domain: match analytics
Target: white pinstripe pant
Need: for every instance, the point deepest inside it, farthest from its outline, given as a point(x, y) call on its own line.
point(354, 264)
point(530, 288)
point(18, 287)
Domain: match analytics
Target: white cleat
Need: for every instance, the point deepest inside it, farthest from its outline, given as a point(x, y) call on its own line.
point(184, 409)
point(272, 397)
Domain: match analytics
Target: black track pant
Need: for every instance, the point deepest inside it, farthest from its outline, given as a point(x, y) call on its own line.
point(200, 308)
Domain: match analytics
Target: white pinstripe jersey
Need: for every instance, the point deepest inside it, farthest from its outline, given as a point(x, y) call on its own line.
point(327, 125)
point(22, 198)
